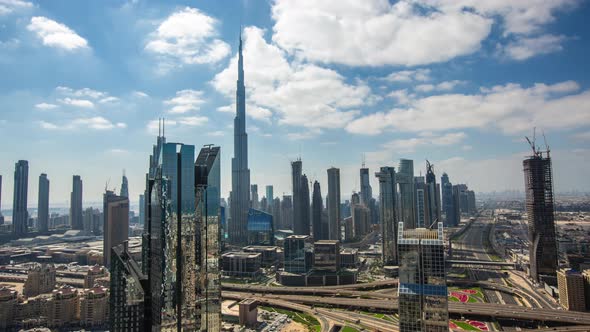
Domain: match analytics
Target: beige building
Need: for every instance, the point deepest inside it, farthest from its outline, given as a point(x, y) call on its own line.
point(64, 307)
point(8, 299)
point(94, 273)
point(40, 279)
point(571, 289)
point(94, 307)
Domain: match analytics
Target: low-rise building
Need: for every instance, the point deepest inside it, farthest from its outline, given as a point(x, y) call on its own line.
point(40, 279)
point(94, 307)
point(64, 307)
point(571, 289)
point(327, 255)
point(242, 264)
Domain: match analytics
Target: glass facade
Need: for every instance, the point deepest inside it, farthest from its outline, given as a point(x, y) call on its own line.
point(405, 180)
point(422, 292)
point(260, 228)
point(297, 251)
point(388, 206)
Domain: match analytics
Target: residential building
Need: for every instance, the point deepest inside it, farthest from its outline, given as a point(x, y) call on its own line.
point(124, 187)
point(570, 284)
point(43, 204)
point(40, 279)
point(20, 215)
point(94, 307)
point(76, 203)
point(334, 227)
point(115, 223)
point(63, 308)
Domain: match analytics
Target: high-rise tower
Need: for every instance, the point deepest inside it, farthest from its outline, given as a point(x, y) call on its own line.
point(240, 194)
point(387, 204)
point(366, 190)
point(320, 231)
point(124, 186)
point(304, 205)
point(20, 216)
point(296, 170)
point(76, 203)
point(43, 204)
point(334, 231)
point(432, 200)
point(405, 179)
point(1, 216)
point(115, 223)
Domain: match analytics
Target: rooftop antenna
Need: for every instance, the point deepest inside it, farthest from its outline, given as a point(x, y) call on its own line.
point(159, 127)
point(163, 127)
point(106, 185)
point(363, 158)
point(533, 142)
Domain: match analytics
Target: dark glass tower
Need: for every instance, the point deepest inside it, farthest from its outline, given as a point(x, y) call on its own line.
point(296, 169)
point(405, 180)
point(43, 204)
point(115, 223)
point(538, 180)
point(366, 190)
point(304, 206)
point(387, 204)
point(20, 216)
point(240, 194)
point(447, 200)
point(320, 231)
point(124, 187)
point(334, 231)
point(432, 198)
point(76, 203)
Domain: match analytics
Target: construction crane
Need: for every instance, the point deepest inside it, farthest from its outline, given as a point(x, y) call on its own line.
point(533, 142)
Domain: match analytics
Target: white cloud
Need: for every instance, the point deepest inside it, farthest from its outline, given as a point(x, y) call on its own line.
point(524, 48)
point(55, 34)
point(77, 102)
point(95, 123)
point(409, 75)
point(410, 145)
point(45, 106)
point(188, 121)
point(299, 94)
point(252, 110)
point(442, 86)
point(185, 101)
point(109, 99)
point(117, 151)
point(192, 120)
point(510, 108)
point(140, 94)
point(187, 35)
point(217, 133)
point(303, 135)
point(84, 92)
point(10, 6)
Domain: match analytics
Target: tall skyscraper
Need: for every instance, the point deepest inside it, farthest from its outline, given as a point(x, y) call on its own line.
point(240, 194)
point(269, 195)
point(43, 204)
point(334, 229)
point(1, 216)
point(432, 201)
point(454, 216)
point(538, 180)
point(405, 180)
point(421, 196)
point(320, 231)
point(296, 169)
point(208, 191)
point(115, 223)
point(124, 186)
point(76, 203)
point(366, 190)
point(20, 215)
point(255, 203)
point(141, 209)
point(422, 291)
point(304, 205)
point(447, 199)
point(387, 204)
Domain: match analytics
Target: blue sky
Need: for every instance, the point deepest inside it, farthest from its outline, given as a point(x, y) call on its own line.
point(458, 82)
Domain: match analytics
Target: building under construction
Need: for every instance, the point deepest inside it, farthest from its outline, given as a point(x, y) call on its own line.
point(539, 205)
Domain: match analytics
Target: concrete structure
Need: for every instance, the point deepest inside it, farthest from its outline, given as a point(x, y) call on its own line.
point(361, 217)
point(8, 300)
point(432, 198)
point(269, 195)
point(366, 190)
point(64, 307)
point(455, 217)
point(43, 204)
point(40, 279)
point(93, 221)
point(405, 180)
point(248, 312)
point(76, 203)
point(242, 264)
point(540, 212)
point(471, 206)
point(422, 291)
point(320, 229)
point(298, 254)
point(20, 215)
point(421, 197)
point(269, 254)
point(349, 258)
point(388, 206)
point(142, 209)
point(124, 186)
point(94, 307)
point(286, 213)
point(304, 227)
point(571, 290)
point(334, 227)
point(93, 274)
point(254, 201)
point(326, 255)
point(115, 223)
point(240, 193)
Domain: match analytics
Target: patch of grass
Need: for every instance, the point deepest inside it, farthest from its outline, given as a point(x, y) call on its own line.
point(349, 329)
point(465, 326)
point(453, 299)
point(309, 321)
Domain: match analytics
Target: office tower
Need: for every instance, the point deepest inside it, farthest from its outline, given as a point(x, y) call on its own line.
point(296, 186)
point(471, 207)
point(141, 209)
point(447, 199)
point(422, 291)
point(455, 217)
point(366, 190)
point(420, 189)
point(1, 216)
point(260, 228)
point(208, 190)
point(298, 253)
point(240, 194)
point(129, 310)
point(276, 213)
point(76, 203)
point(263, 205)
point(432, 198)
point(124, 186)
point(407, 196)
point(360, 217)
point(303, 228)
point(43, 204)
point(570, 284)
point(463, 204)
point(287, 212)
point(539, 207)
point(92, 221)
point(269, 197)
point(388, 206)
point(115, 223)
point(326, 255)
point(20, 216)
point(334, 228)
point(320, 231)
point(254, 195)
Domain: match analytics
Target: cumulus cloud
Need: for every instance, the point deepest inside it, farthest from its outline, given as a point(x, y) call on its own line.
point(187, 36)
point(95, 123)
point(84, 92)
point(442, 86)
point(185, 101)
point(511, 108)
point(45, 106)
point(422, 74)
point(187, 121)
point(410, 144)
point(299, 94)
point(77, 102)
point(55, 34)
point(10, 6)
point(524, 48)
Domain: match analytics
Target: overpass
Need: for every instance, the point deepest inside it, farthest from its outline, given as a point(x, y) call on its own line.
point(478, 262)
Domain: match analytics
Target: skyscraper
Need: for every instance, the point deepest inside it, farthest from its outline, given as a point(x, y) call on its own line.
point(208, 193)
point(20, 216)
point(124, 186)
point(43, 204)
point(538, 180)
point(422, 291)
point(240, 194)
point(305, 215)
point(421, 196)
point(269, 196)
point(454, 216)
point(1, 216)
point(296, 167)
point(287, 212)
point(76, 203)
point(387, 204)
point(334, 231)
point(115, 223)
point(141, 209)
point(432, 201)
point(366, 190)
point(254, 196)
point(405, 180)
point(447, 199)
point(320, 231)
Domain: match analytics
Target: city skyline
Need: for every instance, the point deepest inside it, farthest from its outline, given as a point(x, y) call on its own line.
point(113, 115)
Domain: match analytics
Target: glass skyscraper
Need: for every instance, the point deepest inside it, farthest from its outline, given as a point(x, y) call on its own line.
point(76, 203)
point(334, 229)
point(387, 204)
point(43, 204)
point(422, 292)
point(405, 180)
point(260, 228)
point(20, 215)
